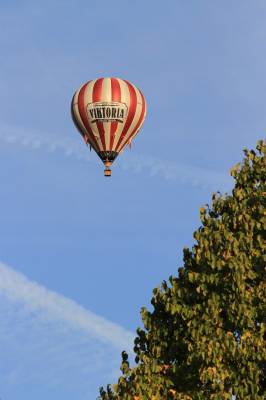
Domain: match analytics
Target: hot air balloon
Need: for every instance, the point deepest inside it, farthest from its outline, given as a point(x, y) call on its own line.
point(108, 112)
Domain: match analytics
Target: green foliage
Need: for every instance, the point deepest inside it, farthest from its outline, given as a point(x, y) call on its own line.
point(206, 335)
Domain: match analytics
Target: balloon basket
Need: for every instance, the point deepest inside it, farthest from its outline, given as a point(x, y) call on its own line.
point(107, 172)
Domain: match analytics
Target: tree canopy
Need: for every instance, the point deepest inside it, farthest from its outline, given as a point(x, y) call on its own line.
point(205, 337)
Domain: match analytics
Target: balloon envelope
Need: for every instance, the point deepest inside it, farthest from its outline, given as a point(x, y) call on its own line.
point(108, 112)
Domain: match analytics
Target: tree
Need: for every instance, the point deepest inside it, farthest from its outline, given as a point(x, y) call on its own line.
point(206, 335)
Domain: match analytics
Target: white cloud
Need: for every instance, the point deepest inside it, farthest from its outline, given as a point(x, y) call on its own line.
point(50, 341)
point(36, 298)
point(185, 174)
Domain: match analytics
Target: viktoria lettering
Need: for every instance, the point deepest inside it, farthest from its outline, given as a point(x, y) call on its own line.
point(107, 111)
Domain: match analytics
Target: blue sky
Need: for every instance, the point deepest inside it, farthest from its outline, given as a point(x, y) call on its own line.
point(80, 254)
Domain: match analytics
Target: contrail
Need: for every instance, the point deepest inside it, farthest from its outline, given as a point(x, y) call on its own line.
point(33, 140)
point(36, 298)
point(185, 174)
